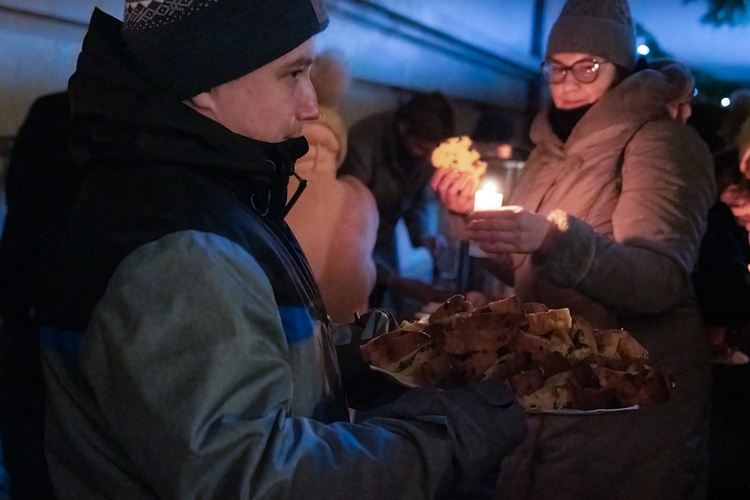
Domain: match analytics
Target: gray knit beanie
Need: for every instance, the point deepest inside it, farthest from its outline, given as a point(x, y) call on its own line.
point(601, 28)
point(186, 47)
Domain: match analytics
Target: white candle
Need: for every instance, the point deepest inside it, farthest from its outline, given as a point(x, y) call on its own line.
point(486, 198)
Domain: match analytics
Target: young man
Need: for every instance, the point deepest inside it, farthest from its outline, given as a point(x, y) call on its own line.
point(186, 350)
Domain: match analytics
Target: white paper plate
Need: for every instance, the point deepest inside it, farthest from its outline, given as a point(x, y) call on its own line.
point(581, 412)
point(408, 382)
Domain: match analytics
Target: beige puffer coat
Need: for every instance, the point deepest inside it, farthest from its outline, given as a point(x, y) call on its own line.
point(335, 220)
point(630, 191)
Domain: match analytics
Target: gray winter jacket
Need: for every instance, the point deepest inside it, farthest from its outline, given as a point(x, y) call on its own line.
point(186, 350)
point(629, 191)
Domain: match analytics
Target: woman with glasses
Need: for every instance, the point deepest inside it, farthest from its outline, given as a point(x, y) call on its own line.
point(607, 220)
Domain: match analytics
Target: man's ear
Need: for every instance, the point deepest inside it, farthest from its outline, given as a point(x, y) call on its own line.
point(745, 162)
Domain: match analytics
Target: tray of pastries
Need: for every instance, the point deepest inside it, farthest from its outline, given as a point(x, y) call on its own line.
point(554, 362)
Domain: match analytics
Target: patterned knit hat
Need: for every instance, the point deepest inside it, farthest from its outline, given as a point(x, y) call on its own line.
point(190, 46)
point(601, 28)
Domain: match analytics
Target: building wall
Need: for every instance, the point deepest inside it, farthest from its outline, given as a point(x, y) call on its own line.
point(393, 47)
point(40, 41)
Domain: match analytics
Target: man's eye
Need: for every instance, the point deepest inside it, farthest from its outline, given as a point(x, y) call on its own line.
point(296, 73)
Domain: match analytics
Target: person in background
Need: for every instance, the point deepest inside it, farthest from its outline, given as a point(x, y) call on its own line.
point(42, 186)
point(607, 220)
point(334, 219)
point(722, 278)
point(720, 284)
point(185, 346)
point(390, 152)
point(723, 284)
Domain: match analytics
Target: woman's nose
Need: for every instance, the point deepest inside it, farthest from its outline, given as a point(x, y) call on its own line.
point(569, 81)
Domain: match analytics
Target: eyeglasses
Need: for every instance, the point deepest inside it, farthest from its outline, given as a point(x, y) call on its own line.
point(584, 71)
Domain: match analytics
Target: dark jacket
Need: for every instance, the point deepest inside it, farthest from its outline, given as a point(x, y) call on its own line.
point(398, 183)
point(41, 187)
point(722, 279)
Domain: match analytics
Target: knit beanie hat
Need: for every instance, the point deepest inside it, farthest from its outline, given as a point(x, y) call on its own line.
point(186, 47)
point(601, 28)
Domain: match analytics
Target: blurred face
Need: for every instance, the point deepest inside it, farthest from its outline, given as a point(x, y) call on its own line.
point(567, 91)
point(418, 149)
point(269, 104)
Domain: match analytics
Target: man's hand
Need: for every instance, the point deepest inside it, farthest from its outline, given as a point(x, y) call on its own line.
point(510, 229)
point(455, 189)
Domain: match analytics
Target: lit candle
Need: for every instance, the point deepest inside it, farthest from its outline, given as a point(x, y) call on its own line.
point(486, 198)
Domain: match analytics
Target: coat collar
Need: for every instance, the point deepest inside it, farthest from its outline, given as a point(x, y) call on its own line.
point(617, 115)
point(121, 120)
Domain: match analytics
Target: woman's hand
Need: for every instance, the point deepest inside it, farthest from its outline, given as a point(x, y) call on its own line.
point(510, 229)
point(738, 200)
point(742, 214)
point(455, 189)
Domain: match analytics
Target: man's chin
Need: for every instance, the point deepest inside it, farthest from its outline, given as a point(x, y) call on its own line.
point(296, 135)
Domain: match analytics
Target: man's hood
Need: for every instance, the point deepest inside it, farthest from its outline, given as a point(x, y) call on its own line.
point(119, 119)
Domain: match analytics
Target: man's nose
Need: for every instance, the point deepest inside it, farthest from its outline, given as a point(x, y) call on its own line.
point(309, 107)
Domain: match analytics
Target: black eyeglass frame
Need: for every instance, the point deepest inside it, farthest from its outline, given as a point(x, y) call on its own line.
point(593, 71)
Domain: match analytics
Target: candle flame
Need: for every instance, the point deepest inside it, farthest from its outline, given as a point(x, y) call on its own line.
point(490, 187)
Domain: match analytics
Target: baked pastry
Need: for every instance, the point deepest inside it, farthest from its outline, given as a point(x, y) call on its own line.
point(552, 360)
